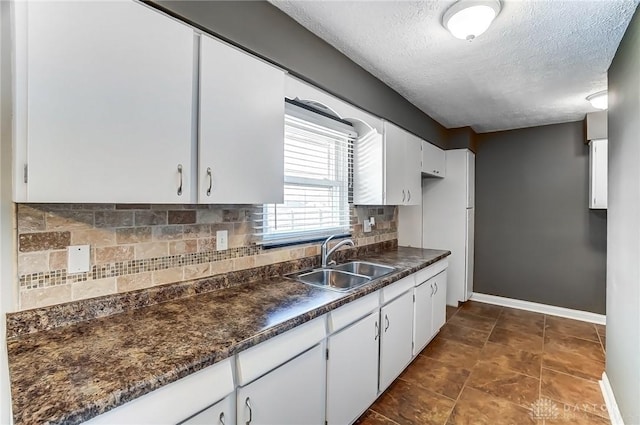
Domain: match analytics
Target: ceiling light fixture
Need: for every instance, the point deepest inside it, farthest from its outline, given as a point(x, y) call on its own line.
point(599, 100)
point(467, 19)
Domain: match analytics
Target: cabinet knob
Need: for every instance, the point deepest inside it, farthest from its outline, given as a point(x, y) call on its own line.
point(221, 418)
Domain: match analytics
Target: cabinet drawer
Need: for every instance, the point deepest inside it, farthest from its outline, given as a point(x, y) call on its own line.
point(430, 271)
point(258, 360)
point(395, 289)
point(349, 313)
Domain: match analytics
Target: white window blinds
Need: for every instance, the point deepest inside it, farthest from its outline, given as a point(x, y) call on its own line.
point(318, 155)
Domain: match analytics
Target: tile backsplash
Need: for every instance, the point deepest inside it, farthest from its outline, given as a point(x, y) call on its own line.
point(140, 246)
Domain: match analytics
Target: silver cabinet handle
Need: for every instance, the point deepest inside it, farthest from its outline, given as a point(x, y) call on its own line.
point(403, 195)
point(432, 289)
point(248, 403)
point(180, 173)
point(210, 181)
point(222, 418)
point(409, 192)
point(377, 331)
point(436, 283)
point(386, 320)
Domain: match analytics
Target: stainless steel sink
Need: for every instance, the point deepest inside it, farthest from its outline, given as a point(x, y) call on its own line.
point(333, 279)
point(343, 277)
point(371, 270)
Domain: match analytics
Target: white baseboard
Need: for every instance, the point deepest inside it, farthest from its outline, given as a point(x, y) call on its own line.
point(610, 401)
point(585, 316)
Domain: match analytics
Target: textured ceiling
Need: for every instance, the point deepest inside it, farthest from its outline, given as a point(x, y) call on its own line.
point(535, 65)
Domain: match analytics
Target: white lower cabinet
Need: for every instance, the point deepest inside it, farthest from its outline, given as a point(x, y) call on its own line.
point(396, 321)
point(306, 376)
point(429, 310)
point(439, 306)
point(221, 413)
point(292, 394)
point(422, 316)
point(352, 370)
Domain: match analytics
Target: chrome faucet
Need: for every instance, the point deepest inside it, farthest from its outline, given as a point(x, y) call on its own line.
point(325, 254)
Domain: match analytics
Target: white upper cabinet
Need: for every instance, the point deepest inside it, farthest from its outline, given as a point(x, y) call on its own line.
point(241, 137)
point(598, 158)
point(433, 160)
point(104, 103)
point(395, 140)
point(387, 168)
point(402, 169)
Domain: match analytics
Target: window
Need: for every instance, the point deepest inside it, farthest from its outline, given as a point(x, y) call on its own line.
point(318, 155)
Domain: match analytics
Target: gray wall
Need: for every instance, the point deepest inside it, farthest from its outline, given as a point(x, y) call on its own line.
point(462, 138)
point(264, 30)
point(536, 239)
point(623, 262)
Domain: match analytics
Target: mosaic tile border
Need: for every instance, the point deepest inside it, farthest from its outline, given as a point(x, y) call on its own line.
point(59, 315)
point(124, 268)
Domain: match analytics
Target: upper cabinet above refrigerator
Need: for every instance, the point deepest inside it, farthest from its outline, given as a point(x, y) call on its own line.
point(434, 163)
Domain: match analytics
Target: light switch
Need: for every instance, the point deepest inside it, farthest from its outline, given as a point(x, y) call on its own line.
point(366, 226)
point(222, 240)
point(78, 258)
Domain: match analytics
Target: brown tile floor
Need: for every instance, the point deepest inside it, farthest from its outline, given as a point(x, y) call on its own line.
point(496, 365)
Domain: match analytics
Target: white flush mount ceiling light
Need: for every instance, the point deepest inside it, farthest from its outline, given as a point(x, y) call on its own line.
point(467, 19)
point(599, 100)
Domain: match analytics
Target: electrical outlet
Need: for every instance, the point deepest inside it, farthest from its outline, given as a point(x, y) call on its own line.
point(78, 258)
point(222, 240)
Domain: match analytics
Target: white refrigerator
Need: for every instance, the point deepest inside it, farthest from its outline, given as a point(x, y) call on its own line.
point(448, 220)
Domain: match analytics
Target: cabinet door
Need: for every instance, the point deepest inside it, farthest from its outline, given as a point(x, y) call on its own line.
point(352, 370)
point(221, 413)
point(241, 139)
point(108, 112)
point(439, 302)
point(292, 394)
point(423, 316)
point(598, 174)
point(394, 165)
point(396, 321)
point(433, 160)
point(412, 168)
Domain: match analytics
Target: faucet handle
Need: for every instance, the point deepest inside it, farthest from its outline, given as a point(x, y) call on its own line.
point(326, 241)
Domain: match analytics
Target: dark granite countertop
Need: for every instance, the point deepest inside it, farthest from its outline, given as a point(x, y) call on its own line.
point(73, 373)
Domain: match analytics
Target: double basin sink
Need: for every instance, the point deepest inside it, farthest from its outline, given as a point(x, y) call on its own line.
point(343, 277)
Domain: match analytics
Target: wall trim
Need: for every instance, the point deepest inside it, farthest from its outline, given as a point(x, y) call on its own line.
point(610, 401)
point(552, 310)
